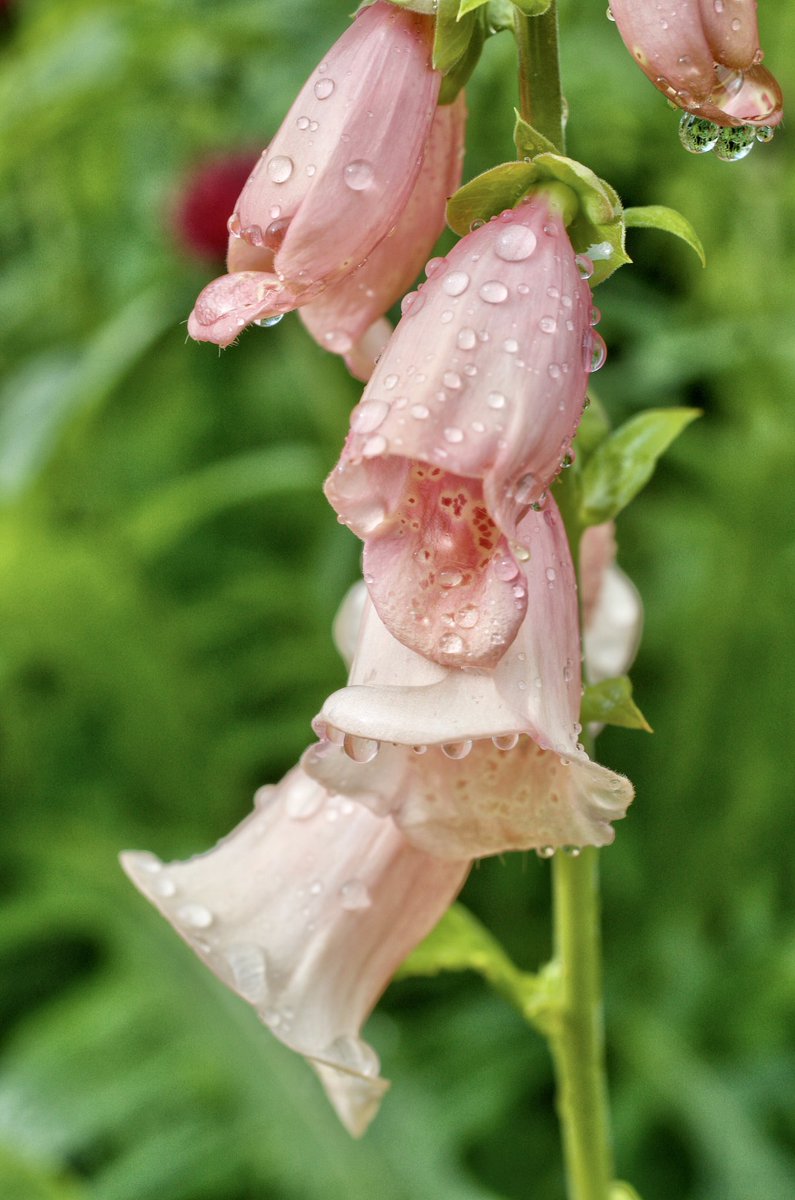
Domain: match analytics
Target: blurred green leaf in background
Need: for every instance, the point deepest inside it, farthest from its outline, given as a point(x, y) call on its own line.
point(169, 574)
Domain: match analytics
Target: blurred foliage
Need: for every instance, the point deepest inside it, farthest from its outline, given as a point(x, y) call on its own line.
point(170, 573)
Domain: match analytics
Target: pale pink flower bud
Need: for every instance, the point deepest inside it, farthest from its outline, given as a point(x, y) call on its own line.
point(612, 609)
point(467, 418)
point(471, 763)
point(704, 55)
point(335, 178)
point(306, 910)
point(347, 317)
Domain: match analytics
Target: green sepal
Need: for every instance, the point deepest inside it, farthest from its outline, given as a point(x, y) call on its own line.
point(460, 943)
point(599, 221)
point(531, 8)
point(458, 75)
point(528, 140)
point(426, 7)
point(657, 216)
point(467, 6)
point(452, 37)
point(500, 15)
point(594, 427)
point(489, 194)
point(624, 462)
point(610, 703)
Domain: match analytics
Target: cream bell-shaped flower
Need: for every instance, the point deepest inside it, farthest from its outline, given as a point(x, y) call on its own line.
point(347, 318)
point(612, 610)
point(704, 55)
point(467, 418)
point(475, 762)
point(306, 910)
point(334, 180)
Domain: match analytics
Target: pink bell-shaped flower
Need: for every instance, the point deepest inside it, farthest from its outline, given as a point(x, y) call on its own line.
point(474, 762)
point(347, 317)
point(306, 910)
point(704, 56)
point(334, 180)
point(612, 610)
point(466, 420)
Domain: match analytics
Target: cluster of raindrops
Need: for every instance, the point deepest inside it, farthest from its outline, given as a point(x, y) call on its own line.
point(730, 142)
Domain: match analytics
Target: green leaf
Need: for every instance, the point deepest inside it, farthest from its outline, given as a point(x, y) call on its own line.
point(594, 428)
point(610, 703)
point(460, 943)
point(489, 194)
point(624, 463)
point(453, 36)
point(458, 75)
point(467, 6)
point(657, 216)
point(500, 15)
point(529, 141)
point(622, 1191)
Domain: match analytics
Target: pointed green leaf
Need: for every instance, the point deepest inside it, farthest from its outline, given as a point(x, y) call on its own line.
point(625, 461)
point(460, 943)
point(529, 142)
point(489, 194)
point(459, 74)
point(453, 36)
point(610, 703)
point(532, 8)
point(657, 216)
point(467, 6)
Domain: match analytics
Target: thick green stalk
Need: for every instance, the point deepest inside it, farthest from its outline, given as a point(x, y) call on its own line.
point(577, 1039)
point(540, 97)
point(575, 1029)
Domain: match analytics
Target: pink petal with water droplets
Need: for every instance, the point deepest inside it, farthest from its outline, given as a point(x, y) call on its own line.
point(339, 320)
point(704, 57)
point(306, 910)
point(231, 302)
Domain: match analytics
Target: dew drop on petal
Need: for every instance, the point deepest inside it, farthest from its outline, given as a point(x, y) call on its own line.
point(506, 741)
point(493, 291)
point(545, 851)
point(450, 643)
point(451, 380)
point(510, 345)
point(360, 749)
point(352, 1053)
point(354, 895)
point(420, 411)
point(525, 489)
point(455, 283)
point(304, 799)
point(280, 168)
point(368, 415)
point(495, 400)
point(323, 88)
point(358, 175)
point(467, 338)
point(374, 446)
point(547, 324)
point(584, 265)
point(457, 750)
point(505, 568)
point(302, 123)
point(468, 616)
point(450, 579)
point(196, 916)
point(453, 434)
point(515, 243)
point(697, 135)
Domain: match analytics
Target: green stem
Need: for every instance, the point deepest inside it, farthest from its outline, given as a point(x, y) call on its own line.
point(577, 1040)
point(540, 97)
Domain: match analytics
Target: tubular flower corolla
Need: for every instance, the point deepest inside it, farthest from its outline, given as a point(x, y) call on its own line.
point(467, 418)
point(336, 178)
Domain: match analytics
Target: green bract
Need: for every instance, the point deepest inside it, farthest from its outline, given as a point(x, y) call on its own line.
point(610, 703)
point(624, 462)
point(657, 216)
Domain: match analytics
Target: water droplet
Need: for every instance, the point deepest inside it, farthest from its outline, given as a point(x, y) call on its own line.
point(234, 224)
point(468, 616)
point(451, 380)
point(594, 351)
point(164, 886)
point(596, 315)
point(453, 434)
point(323, 88)
point(433, 265)
point(510, 345)
point(411, 303)
point(735, 142)
point(249, 970)
point(765, 133)
point(525, 489)
point(353, 1054)
point(551, 574)
point(545, 851)
point(374, 446)
point(506, 741)
point(280, 168)
point(573, 851)
point(450, 643)
point(304, 799)
point(368, 415)
point(195, 915)
point(547, 324)
point(521, 553)
point(515, 243)
point(495, 400)
point(584, 265)
point(450, 579)
point(697, 135)
point(339, 342)
point(360, 749)
point(419, 749)
point(505, 568)
point(354, 895)
point(554, 371)
point(269, 322)
point(467, 338)
point(493, 292)
point(359, 175)
point(457, 750)
point(455, 283)
point(303, 123)
point(420, 411)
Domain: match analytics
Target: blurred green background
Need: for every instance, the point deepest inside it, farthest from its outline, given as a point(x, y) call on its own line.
point(169, 573)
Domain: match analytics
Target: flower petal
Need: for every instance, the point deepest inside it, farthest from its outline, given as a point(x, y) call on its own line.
point(231, 302)
point(612, 608)
point(305, 910)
